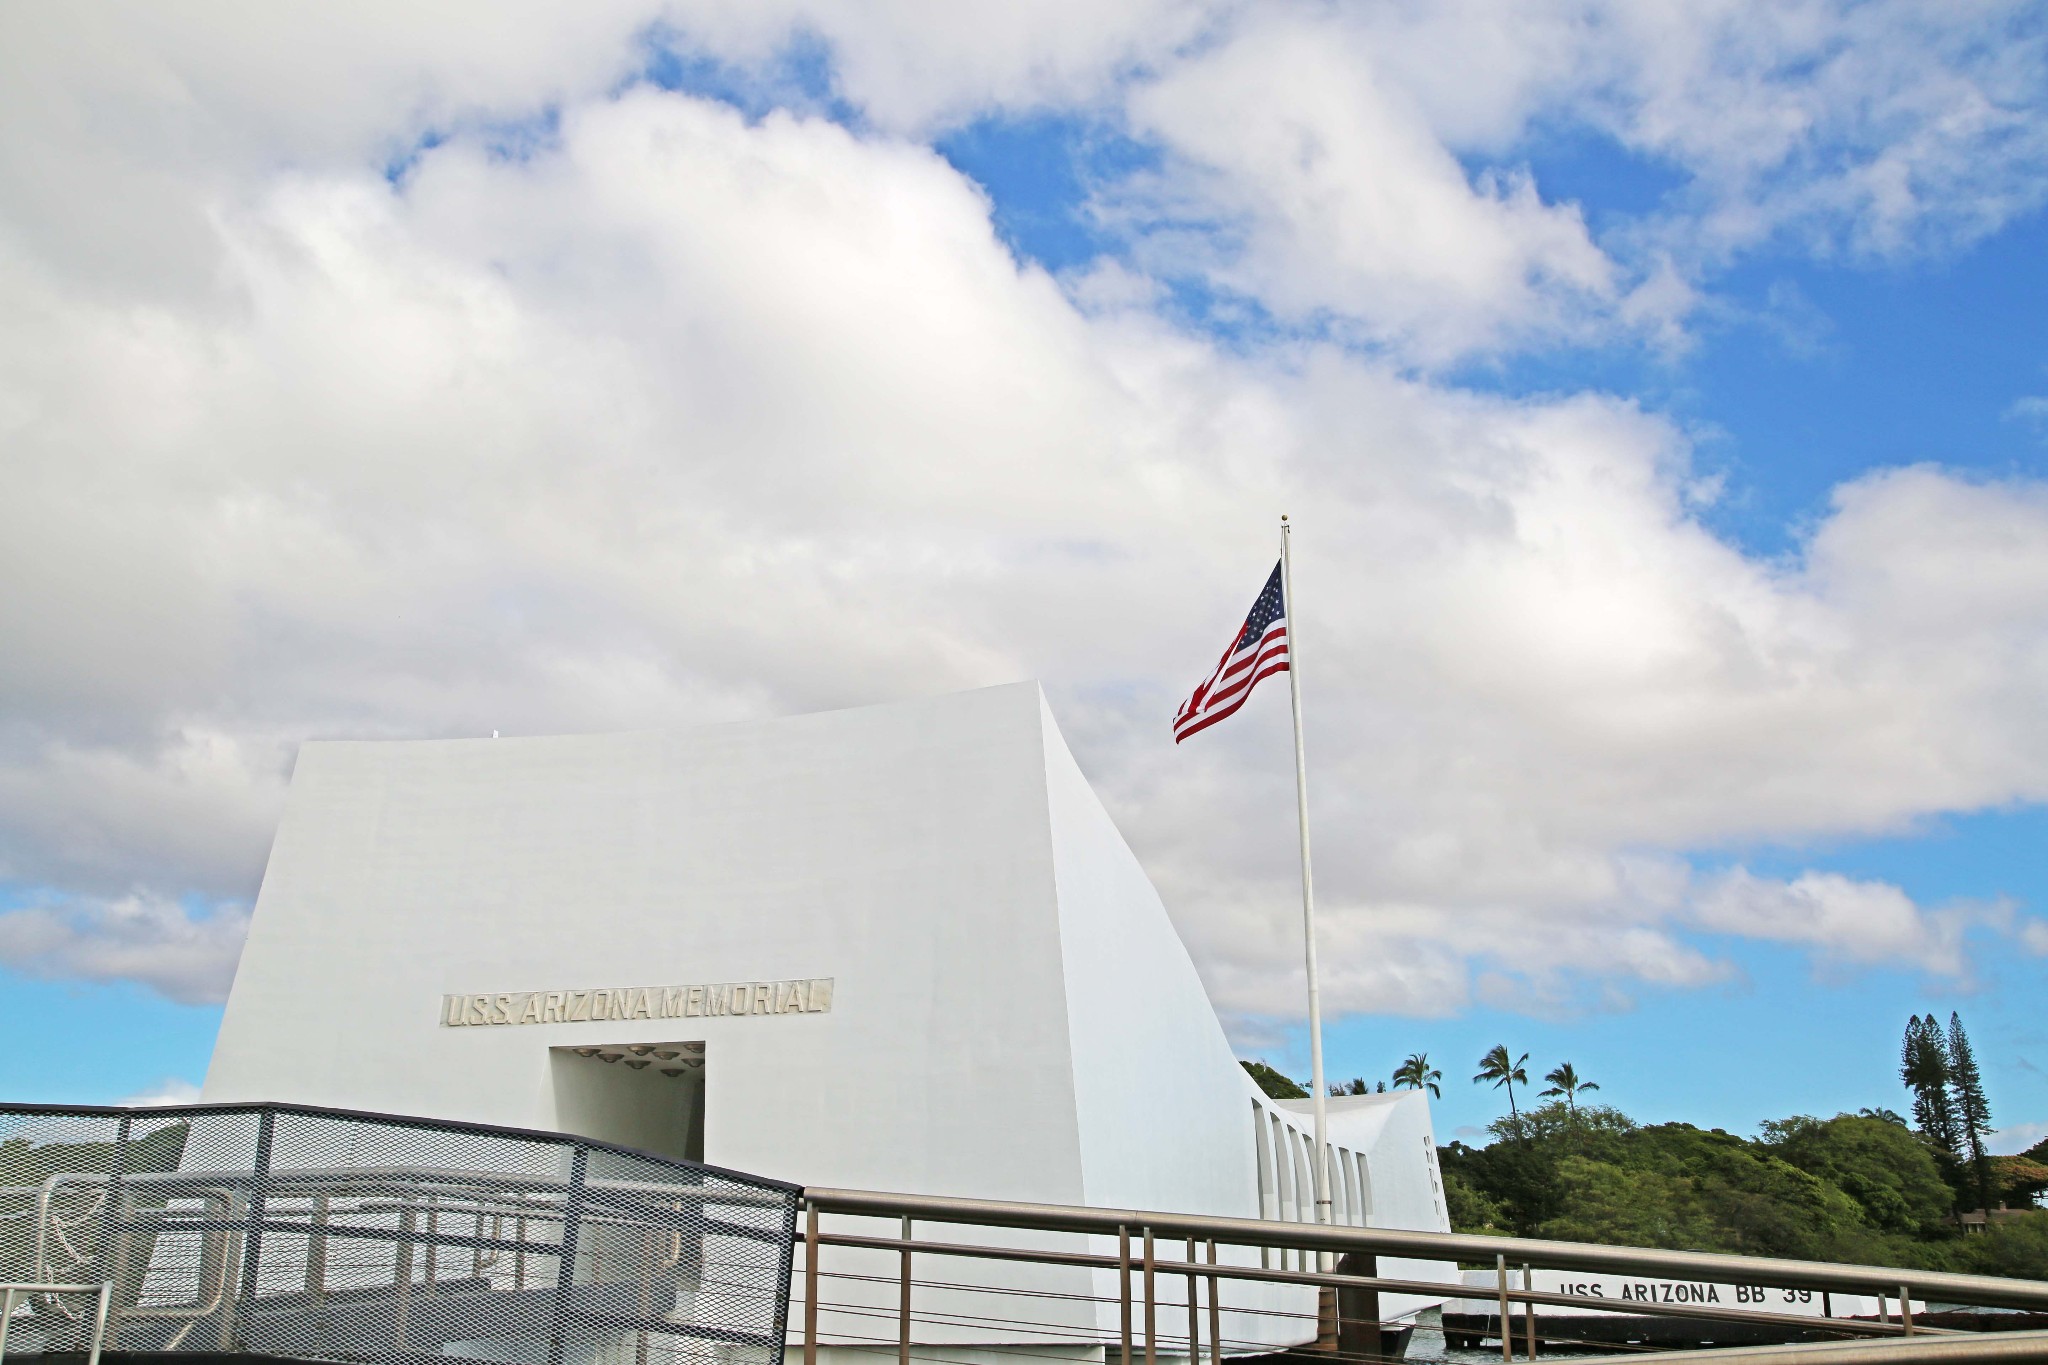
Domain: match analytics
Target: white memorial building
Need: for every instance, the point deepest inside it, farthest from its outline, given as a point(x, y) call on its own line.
point(897, 948)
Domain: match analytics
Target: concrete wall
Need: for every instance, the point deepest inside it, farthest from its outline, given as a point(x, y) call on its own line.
point(901, 850)
point(1013, 1016)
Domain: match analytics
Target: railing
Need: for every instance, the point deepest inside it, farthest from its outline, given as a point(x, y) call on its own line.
point(101, 1295)
point(1148, 1284)
point(325, 1235)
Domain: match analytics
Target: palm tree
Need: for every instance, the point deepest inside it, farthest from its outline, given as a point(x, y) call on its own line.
point(1565, 1081)
point(1496, 1067)
point(1417, 1074)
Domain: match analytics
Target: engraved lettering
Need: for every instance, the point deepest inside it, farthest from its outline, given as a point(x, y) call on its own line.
point(802, 995)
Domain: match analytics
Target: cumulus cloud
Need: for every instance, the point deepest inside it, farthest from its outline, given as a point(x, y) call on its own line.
point(665, 414)
point(1874, 128)
point(2015, 1138)
point(169, 1090)
point(141, 937)
point(1372, 165)
point(1850, 920)
point(1301, 178)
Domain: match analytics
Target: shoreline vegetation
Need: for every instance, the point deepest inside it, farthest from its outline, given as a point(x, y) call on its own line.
point(1866, 1187)
point(1860, 1188)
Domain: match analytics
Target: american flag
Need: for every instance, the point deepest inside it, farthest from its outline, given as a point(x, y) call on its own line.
point(1259, 651)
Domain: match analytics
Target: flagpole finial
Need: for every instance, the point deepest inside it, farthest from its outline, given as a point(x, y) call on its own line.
point(1283, 516)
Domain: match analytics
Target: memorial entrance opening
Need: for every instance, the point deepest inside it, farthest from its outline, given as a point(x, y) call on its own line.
point(647, 1096)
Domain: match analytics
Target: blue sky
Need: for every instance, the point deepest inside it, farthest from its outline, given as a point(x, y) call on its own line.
point(1814, 372)
point(1663, 727)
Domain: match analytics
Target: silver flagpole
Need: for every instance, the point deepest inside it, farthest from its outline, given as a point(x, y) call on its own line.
point(1317, 1090)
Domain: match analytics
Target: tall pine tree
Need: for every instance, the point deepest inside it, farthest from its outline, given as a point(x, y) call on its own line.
point(1924, 1067)
point(1973, 1111)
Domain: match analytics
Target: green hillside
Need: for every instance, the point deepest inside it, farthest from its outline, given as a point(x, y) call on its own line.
point(1856, 1187)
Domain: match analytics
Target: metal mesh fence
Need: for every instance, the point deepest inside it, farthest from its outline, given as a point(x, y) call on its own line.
point(320, 1234)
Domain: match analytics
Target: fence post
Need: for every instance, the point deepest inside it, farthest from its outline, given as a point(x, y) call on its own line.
point(1529, 1308)
point(1215, 1313)
point(1194, 1308)
point(565, 1272)
point(1906, 1308)
point(252, 1240)
point(316, 1252)
point(1123, 1292)
point(903, 1303)
point(810, 1284)
point(6, 1318)
point(1507, 1326)
point(99, 1323)
point(117, 1220)
point(401, 1276)
point(1151, 1310)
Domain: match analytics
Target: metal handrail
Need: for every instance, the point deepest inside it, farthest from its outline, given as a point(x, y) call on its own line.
point(1441, 1246)
point(455, 1179)
point(104, 1292)
point(1332, 1280)
point(1976, 1348)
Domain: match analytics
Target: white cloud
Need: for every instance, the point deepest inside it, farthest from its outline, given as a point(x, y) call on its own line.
point(1873, 127)
point(680, 416)
point(1366, 167)
point(1332, 195)
point(2015, 1138)
point(1851, 921)
point(2033, 410)
point(1369, 164)
point(169, 1090)
point(915, 65)
point(140, 937)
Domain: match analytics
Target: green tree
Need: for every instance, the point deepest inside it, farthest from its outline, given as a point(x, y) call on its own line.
point(2013, 1247)
point(1276, 1086)
point(1923, 1066)
point(2019, 1180)
point(1470, 1210)
point(1357, 1085)
point(1890, 1173)
point(1498, 1069)
point(1973, 1112)
point(1676, 1185)
point(1565, 1081)
point(1417, 1074)
point(1850, 1189)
